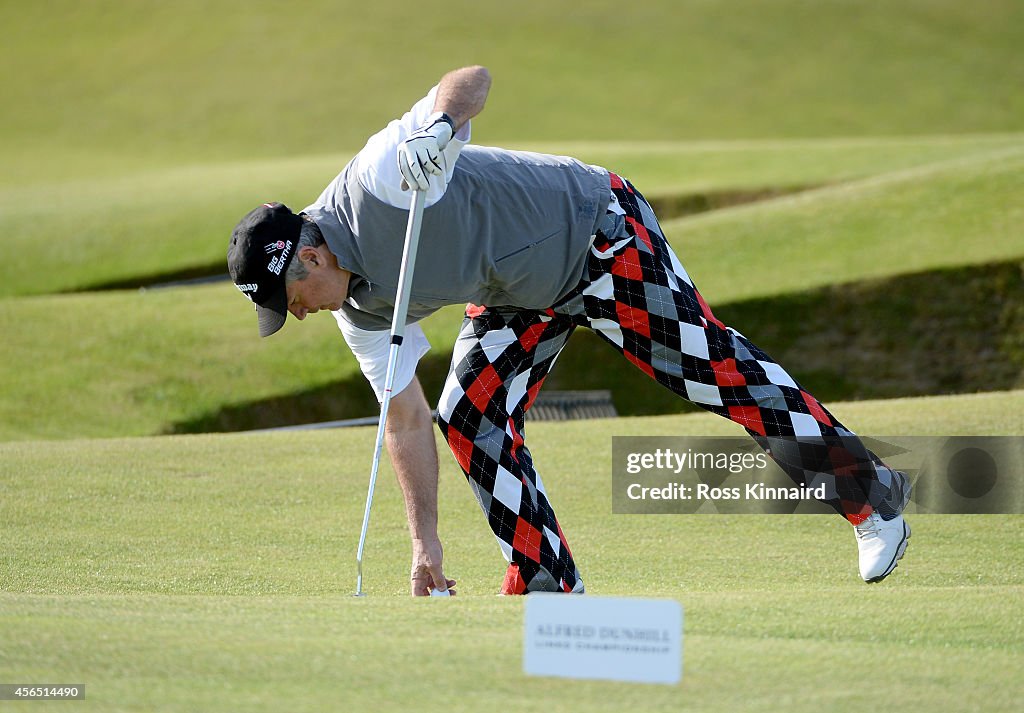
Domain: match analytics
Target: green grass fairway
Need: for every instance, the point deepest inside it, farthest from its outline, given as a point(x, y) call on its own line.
point(961, 212)
point(143, 225)
point(214, 572)
point(119, 86)
point(201, 573)
point(125, 363)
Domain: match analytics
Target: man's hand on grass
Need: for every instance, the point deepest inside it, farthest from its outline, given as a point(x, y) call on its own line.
point(427, 573)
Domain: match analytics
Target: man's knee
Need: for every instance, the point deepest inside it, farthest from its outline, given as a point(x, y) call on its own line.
point(409, 409)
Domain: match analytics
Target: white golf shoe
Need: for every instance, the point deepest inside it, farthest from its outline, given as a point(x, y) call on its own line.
point(881, 544)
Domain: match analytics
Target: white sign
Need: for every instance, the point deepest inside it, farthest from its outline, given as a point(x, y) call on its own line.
point(603, 637)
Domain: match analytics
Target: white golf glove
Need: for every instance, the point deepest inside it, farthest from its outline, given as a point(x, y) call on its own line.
point(420, 154)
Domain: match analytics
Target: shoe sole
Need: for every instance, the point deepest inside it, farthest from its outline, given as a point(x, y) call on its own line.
point(896, 558)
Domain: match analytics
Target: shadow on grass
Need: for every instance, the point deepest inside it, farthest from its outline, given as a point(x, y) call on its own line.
point(937, 332)
point(666, 206)
point(343, 399)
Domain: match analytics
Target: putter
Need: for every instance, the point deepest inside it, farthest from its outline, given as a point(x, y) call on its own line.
point(412, 241)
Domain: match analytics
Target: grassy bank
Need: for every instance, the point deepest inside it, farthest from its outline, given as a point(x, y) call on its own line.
point(130, 363)
point(174, 574)
point(110, 87)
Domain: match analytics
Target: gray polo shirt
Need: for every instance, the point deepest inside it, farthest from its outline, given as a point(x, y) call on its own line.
point(512, 228)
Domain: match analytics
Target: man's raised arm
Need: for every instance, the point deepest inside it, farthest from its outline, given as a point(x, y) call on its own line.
point(461, 95)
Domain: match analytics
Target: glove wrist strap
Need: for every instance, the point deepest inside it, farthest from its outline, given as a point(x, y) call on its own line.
point(441, 116)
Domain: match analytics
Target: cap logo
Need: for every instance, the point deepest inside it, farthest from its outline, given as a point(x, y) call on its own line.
point(277, 263)
point(248, 287)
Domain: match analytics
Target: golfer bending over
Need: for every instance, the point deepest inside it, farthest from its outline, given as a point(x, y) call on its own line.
point(537, 245)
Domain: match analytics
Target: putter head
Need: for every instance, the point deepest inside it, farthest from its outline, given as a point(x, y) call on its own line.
point(359, 572)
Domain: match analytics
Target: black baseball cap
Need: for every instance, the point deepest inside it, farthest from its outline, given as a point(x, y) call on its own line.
point(262, 245)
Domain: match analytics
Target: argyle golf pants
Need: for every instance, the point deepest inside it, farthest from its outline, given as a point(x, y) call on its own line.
point(638, 297)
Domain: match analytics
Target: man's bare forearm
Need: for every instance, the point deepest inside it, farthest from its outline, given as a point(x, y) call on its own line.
point(462, 93)
point(410, 441)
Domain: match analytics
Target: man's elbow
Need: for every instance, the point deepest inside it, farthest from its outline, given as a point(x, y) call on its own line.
point(409, 410)
point(476, 76)
point(481, 73)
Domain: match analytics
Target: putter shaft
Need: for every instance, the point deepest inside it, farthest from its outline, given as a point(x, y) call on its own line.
point(412, 239)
